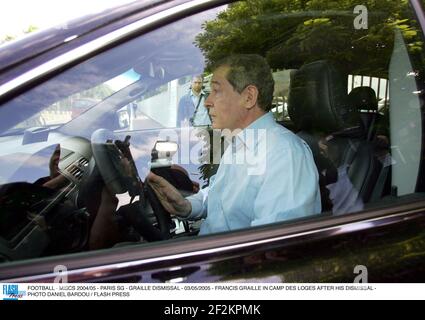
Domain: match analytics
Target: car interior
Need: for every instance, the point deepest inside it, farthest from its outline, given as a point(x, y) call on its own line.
point(319, 106)
point(361, 153)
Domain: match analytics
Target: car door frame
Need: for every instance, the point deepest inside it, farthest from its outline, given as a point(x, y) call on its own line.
point(146, 260)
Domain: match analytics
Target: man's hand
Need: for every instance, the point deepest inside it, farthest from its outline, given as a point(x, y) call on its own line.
point(170, 197)
point(105, 231)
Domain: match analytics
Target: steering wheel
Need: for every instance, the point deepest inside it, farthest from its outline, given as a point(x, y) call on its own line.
point(109, 158)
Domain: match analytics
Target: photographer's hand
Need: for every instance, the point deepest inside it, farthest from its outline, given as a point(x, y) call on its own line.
point(105, 232)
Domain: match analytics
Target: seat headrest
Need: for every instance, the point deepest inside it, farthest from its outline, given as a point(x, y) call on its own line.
point(363, 99)
point(318, 97)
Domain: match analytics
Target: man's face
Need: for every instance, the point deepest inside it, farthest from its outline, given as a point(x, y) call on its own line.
point(225, 104)
point(197, 85)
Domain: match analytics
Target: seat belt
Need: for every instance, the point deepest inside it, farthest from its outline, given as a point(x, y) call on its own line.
point(380, 183)
point(192, 119)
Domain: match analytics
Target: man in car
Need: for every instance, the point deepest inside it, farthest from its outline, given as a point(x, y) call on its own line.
point(267, 173)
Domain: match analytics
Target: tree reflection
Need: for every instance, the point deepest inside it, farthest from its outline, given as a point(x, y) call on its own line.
point(290, 33)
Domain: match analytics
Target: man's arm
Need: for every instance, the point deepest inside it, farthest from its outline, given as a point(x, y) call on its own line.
point(289, 189)
point(105, 232)
point(198, 203)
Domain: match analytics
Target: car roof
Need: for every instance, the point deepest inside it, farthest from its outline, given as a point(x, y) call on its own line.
point(14, 56)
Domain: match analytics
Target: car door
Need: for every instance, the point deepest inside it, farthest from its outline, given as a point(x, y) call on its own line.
point(372, 219)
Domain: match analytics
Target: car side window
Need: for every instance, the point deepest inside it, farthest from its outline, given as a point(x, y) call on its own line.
point(84, 140)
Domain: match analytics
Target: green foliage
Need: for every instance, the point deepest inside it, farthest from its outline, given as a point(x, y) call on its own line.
point(292, 32)
point(9, 37)
point(30, 29)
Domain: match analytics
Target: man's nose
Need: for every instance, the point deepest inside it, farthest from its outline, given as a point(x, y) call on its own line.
point(208, 102)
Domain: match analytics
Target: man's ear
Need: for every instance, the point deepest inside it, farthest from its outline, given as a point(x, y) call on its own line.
point(250, 96)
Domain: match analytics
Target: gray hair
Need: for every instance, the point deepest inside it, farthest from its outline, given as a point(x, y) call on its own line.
point(250, 69)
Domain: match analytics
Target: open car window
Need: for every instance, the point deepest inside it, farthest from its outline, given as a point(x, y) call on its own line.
point(349, 86)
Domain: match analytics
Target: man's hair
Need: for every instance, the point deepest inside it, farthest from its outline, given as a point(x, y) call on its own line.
point(250, 69)
point(198, 76)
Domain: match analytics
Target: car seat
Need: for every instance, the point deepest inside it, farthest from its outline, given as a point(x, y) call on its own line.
point(319, 106)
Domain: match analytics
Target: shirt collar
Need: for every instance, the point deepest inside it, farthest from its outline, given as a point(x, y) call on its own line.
point(201, 94)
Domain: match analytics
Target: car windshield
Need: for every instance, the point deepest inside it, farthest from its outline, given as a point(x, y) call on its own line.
point(63, 111)
point(148, 74)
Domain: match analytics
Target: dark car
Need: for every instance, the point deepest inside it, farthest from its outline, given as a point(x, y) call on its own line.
point(334, 63)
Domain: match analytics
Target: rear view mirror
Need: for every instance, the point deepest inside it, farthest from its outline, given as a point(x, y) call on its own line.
point(36, 134)
point(123, 119)
point(150, 69)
